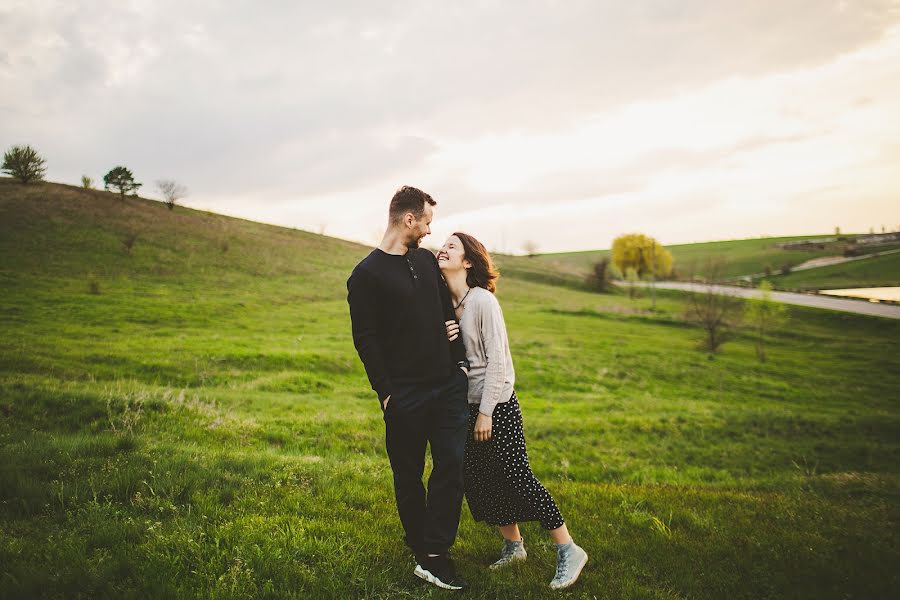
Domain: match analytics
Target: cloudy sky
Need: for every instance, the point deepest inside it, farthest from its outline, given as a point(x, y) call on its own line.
point(562, 122)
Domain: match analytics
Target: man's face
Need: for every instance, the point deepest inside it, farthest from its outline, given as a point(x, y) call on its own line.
point(420, 228)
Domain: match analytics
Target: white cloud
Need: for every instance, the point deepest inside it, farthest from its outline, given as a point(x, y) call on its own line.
point(592, 117)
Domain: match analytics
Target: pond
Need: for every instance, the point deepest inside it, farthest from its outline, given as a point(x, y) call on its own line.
point(876, 294)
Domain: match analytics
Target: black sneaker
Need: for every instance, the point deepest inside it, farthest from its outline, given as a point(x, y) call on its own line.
point(440, 571)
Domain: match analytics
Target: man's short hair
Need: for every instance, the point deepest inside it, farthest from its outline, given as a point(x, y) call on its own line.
point(409, 199)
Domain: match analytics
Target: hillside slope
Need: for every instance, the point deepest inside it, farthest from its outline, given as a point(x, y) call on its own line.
point(197, 424)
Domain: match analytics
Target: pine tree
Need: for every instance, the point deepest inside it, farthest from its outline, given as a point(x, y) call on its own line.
point(24, 163)
point(121, 180)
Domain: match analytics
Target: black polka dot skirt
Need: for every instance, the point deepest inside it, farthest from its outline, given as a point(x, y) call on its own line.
point(499, 485)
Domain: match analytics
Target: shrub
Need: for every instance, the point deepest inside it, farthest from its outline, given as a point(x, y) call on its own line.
point(87, 183)
point(93, 284)
point(128, 240)
point(764, 314)
point(172, 191)
point(599, 278)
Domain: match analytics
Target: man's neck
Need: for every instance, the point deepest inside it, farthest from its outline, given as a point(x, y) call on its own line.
point(457, 284)
point(393, 243)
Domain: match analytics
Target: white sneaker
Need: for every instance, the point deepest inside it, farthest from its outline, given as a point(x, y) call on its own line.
point(569, 564)
point(512, 551)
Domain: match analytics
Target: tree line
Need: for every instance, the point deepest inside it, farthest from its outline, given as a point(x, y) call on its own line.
point(25, 164)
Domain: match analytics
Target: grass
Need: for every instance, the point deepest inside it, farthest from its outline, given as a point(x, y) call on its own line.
point(200, 426)
point(871, 272)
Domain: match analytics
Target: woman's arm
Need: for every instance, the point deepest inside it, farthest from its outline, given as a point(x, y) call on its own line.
point(493, 334)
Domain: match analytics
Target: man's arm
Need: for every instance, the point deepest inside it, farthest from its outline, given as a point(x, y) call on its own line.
point(363, 318)
point(457, 348)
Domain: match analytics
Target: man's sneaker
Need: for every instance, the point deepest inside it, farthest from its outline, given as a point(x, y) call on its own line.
point(512, 551)
point(570, 560)
point(440, 571)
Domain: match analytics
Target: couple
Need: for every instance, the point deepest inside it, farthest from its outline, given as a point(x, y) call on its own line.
point(431, 336)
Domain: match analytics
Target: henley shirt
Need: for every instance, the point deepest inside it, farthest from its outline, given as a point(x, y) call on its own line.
point(398, 306)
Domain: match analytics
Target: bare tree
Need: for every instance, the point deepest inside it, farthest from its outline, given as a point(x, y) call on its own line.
point(530, 247)
point(172, 191)
point(714, 310)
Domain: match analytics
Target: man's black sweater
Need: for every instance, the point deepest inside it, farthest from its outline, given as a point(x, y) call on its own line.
point(398, 306)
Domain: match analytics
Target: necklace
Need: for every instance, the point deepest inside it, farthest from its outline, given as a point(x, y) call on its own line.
point(463, 299)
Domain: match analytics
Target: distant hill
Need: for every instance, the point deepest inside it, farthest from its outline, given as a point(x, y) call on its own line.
point(879, 271)
point(52, 229)
point(742, 257)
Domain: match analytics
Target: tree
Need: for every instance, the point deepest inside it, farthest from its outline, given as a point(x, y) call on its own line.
point(86, 182)
point(764, 314)
point(643, 254)
point(715, 311)
point(121, 180)
point(599, 278)
point(172, 191)
point(530, 247)
point(631, 276)
point(24, 163)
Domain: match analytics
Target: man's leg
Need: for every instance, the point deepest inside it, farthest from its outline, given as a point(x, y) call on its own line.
point(447, 427)
point(405, 439)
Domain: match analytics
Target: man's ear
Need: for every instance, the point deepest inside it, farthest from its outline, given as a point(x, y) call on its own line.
point(409, 219)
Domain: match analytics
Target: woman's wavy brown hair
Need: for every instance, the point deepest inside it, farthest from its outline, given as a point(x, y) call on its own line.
point(482, 273)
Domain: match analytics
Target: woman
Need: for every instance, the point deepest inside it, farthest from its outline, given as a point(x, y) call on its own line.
point(499, 485)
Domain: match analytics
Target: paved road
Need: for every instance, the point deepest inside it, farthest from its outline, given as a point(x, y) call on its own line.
point(855, 306)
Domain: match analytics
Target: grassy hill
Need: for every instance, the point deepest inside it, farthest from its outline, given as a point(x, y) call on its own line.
point(742, 257)
point(872, 272)
point(190, 419)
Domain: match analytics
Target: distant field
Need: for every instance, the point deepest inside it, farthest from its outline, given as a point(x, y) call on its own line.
point(742, 257)
point(190, 420)
point(872, 272)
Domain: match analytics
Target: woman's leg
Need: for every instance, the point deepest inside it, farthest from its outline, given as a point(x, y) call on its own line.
point(511, 532)
point(560, 535)
point(513, 546)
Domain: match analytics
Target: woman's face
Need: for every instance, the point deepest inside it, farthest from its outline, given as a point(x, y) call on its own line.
point(451, 256)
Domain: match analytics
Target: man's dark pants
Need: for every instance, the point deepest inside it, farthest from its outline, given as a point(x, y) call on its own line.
point(417, 415)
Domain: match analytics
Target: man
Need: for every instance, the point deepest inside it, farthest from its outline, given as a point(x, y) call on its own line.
point(400, 309)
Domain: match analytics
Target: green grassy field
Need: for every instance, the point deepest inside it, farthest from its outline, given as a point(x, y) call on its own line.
point(872, 272)
point(742, 257)
point(191, 420)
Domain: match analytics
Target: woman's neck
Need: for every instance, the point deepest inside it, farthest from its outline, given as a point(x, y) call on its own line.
point(457, 283)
